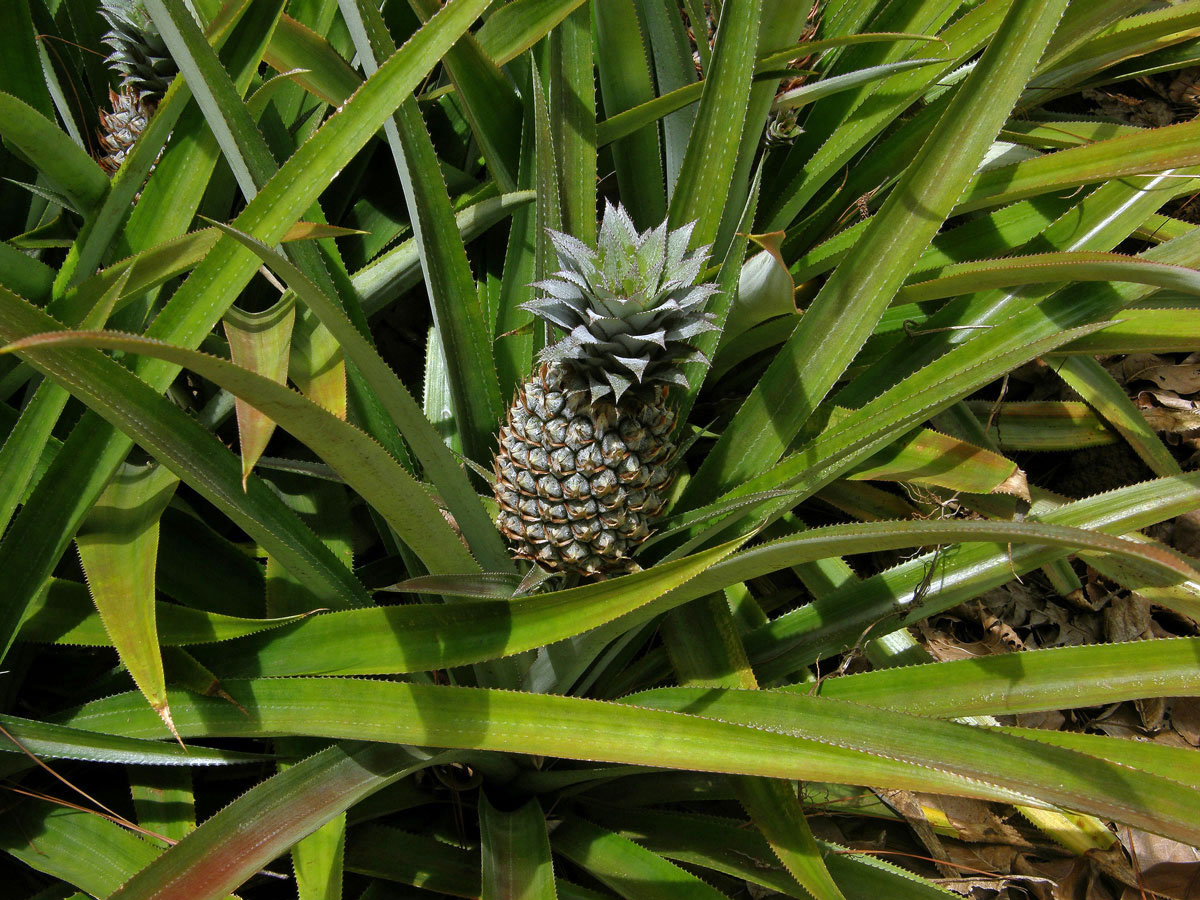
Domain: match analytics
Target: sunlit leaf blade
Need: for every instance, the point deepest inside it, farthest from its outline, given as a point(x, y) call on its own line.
point(1178, 763)
point(708, 163)
point(1101, 391)
point(516, 853)
point(217, 857)
point(626, 81)
point(930, 457)
point(1153, 150)
point(474, 386)
point(64, 614)
point(810, 93)
point(726, 845)
point(517, 26)
point(705, 649)
point(1042, 425)
point(47, 741)
point(118, 547)
point(572, 87)
point(486, 97)
point(414, 638)
point(620, 124)
point(397, 270)
point(22, 448)
point(965, 278)
point(836, 141)
point(628, 868)
point(261, 343)
point(1058, 678)
point(1143, 331)
point(325, 74)
point(318, 861)
point(744, 732)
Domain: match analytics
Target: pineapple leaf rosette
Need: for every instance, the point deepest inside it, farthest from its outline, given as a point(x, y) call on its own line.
point(586, 453)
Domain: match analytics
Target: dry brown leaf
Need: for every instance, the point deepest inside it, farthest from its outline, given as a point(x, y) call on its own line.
point(1185, 719)
point(1131, 368)
point(1127, 618)
point(1165, 867)
point(1183, 379)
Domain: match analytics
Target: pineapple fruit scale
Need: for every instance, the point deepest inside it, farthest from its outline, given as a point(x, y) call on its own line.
point(586, 451)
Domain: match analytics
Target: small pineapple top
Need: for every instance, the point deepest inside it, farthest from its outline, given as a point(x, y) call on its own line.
point(629, 307)
point(139, 52)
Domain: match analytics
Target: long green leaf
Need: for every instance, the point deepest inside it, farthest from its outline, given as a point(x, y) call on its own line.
point(438, 463)
point(1104, 394)
point(64, 614)
point(44, 528)
point(852, 611)
point(415, 638)
point(474, 385)
point(515, 27)
point(485, 95)
point(726, 845)
point(260, 342)
point(81, 848)
point(628, 868)
point(118, 548)
point(179, 440)
point(243, 837)
point(45, 740)
point(844, 313)
point(626, 81)
point(965, 278)
point(516, 853)
point(712, 150)
point(1152, 150)
point(421, 637)
point(744, 732)
point(354, 455)
point(67, 166)
point(1059, 678)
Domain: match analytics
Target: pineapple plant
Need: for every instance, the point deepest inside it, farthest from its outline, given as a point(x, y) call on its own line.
point(930, 225)
point(586, 450)
point(140, 56)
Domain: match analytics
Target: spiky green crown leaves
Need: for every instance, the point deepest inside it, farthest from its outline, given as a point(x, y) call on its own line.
point(139, 52)
point(629, 307)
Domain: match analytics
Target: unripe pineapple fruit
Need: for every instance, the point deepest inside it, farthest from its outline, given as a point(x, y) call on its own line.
point(140, 55)
point(120, 127)
point(586, 451)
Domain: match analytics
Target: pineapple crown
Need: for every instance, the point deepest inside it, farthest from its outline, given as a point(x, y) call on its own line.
point(139, 52)
point(629, 307)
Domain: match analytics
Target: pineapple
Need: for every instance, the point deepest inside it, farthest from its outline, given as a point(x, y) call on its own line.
point(140, 55)
point(586, 451)
point(120, 128)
